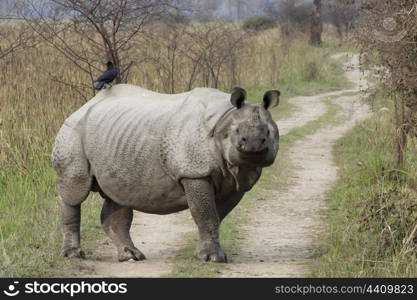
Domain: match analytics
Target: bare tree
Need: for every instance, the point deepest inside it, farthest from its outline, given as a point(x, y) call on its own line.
point(341, 14)
point(291, 14)
point(183, 54)
point(216, 45)
point(14, 35)
point(88, 33)
point(166, 46)
point(316, 27)
point(241, 7)
point(389, 28)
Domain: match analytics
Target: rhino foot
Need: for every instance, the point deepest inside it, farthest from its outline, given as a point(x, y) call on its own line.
point(73, 253)
point(211, 252)
point(128, 253)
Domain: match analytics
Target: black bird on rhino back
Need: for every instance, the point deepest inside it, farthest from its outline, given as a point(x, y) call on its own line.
point(107, 77)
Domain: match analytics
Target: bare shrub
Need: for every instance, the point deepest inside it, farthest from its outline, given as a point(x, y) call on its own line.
point(88, 33)
point(259, 23)
point(311, 71)
point(14, 35)
point(389, 29)
point(216, 44)
point(342, 15)
point(291, 15)
point(182, 55)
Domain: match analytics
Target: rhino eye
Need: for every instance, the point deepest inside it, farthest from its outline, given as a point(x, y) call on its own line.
point(237, 130)
point(268, 132)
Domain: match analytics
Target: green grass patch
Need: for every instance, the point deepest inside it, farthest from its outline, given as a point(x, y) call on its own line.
point(31, 247)
point(373, 209)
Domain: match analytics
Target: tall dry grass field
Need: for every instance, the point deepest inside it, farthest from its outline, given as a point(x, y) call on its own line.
point(33, 106)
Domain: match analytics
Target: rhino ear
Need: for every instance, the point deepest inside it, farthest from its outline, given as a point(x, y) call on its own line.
point(238, 97)
point(271, 99)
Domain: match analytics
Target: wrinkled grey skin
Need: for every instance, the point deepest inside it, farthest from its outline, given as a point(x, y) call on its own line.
point(161, 154)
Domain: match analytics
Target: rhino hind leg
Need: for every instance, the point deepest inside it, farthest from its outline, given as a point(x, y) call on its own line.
point(116, 221)
point(74, 183)
point(71, 222)
point(72, 196)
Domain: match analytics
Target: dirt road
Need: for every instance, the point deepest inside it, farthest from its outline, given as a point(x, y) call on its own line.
point(280, 233)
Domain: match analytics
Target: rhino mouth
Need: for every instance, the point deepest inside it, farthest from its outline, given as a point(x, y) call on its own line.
point(255, 156)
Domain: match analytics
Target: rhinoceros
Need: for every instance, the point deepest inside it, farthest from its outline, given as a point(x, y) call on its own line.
point(161, 154)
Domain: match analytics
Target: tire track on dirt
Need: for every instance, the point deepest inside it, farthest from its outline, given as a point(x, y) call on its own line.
point(281, 231)
point(161, 238)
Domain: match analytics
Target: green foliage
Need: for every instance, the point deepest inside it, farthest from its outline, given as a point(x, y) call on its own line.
point(259, 23)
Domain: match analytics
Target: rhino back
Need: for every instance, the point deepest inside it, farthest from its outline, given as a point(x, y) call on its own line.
point(126, 91)
point(141, 144)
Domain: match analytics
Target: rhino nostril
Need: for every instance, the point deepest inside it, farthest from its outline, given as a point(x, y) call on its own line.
point(244, 140)
point(263, 141)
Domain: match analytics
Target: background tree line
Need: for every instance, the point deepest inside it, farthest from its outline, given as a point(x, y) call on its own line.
point(165, 35)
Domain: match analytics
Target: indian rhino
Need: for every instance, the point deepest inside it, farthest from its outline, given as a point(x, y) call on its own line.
point(160, 154)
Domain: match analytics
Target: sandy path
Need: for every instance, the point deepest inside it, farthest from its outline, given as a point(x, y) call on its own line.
point(160, 238)
point(281, 233)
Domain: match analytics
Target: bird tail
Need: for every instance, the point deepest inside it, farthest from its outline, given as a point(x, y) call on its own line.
point(100, 85)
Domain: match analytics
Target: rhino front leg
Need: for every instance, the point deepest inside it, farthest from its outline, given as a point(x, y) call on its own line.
point(116, 221)
point(201, 201)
